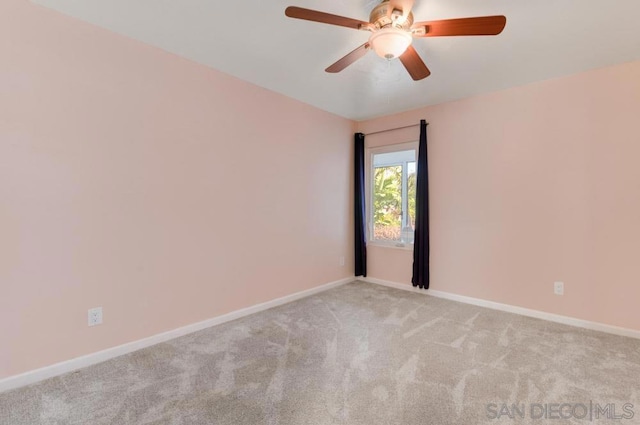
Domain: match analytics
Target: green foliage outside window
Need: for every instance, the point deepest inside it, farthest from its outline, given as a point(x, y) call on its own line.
point(387, 201)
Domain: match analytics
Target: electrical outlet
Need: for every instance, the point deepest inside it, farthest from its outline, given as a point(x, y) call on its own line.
point(558, 288)
point(95, 316)
point(342, 261)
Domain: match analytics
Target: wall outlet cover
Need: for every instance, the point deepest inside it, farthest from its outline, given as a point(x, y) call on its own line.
point(95, 316)
point(558, 288)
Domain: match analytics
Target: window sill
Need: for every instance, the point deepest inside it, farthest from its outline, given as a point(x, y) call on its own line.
point(401, 246)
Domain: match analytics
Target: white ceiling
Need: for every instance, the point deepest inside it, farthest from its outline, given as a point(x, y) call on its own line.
point(254, 41)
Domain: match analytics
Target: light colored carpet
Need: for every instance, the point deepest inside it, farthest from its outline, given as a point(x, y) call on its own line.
point(357, 354)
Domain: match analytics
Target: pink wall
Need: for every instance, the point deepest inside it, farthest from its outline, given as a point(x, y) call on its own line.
point(529, 186)
point(125, 175)
point(159, 189)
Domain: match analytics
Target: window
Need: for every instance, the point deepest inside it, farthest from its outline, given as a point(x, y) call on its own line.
point(392, 194)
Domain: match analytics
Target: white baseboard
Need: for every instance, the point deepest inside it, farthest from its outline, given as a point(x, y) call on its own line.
point(47, 372)
point(566, 320)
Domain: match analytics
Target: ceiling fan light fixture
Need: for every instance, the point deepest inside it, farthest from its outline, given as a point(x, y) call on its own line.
point(390, 42)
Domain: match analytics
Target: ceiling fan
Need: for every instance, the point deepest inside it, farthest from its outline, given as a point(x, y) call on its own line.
point(393, 29)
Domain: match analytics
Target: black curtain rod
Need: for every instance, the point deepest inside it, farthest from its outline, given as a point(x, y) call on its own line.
point(392, 129)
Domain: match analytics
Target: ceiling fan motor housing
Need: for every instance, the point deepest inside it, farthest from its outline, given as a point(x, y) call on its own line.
point(384, 16)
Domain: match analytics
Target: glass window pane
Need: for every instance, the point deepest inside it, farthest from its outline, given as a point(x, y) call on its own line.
point(387, 203)
point(411, 188)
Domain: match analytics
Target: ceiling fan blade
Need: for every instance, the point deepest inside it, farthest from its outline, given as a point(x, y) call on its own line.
point(349, 58)
point(482, 25)
point(404, 5)
point(415, 66)
point(325, 18)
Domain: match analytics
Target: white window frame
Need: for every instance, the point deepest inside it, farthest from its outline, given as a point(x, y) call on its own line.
point(369, 153)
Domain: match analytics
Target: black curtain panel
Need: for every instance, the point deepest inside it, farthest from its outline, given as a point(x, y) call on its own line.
point(421, 240)
point(359, 208)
